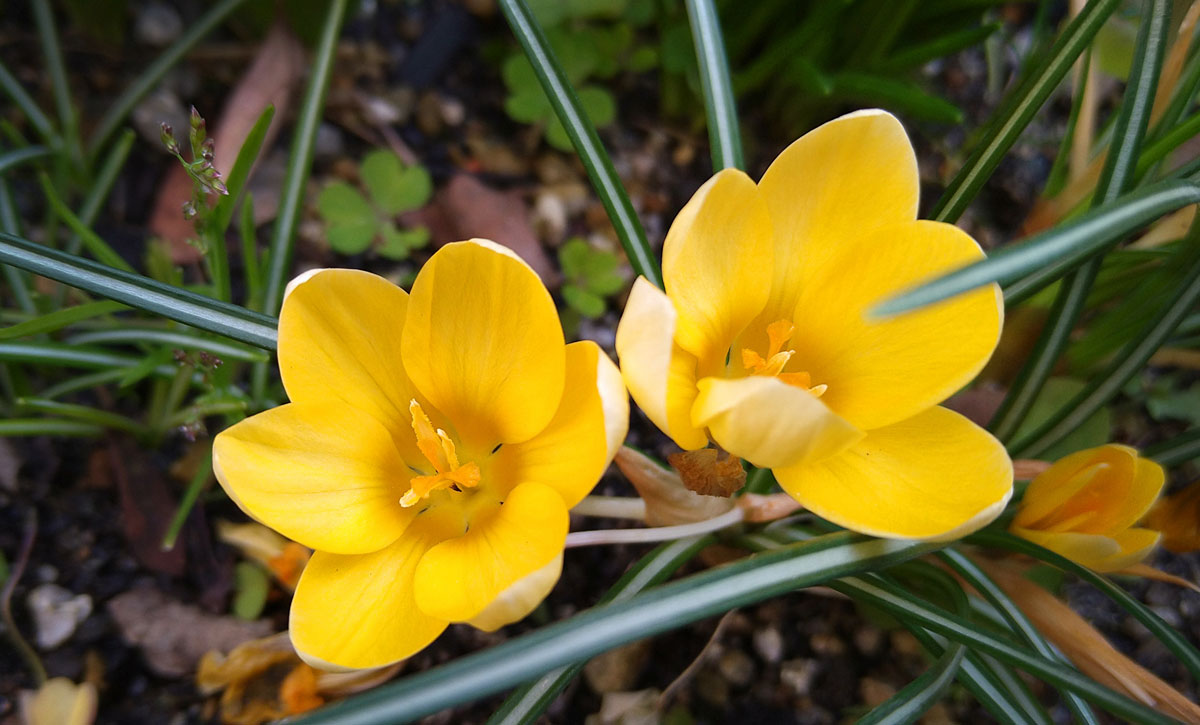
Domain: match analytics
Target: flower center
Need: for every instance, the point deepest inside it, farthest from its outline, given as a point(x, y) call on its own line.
point(778, 333)
point(438, 449)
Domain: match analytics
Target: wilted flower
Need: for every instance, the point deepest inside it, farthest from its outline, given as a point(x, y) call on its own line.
point(763, 342)
point(1084, 507)
point(433, 445)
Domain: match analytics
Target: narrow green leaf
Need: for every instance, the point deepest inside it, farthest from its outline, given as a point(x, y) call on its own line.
point(143, 293)
point(22, 100)
point(583, 135)
point(20, 156)
point(1045, 73)
point(102, 183)
point(200, 479)
point(58, 354)
point(607, 626)
point(18, 285)
point(154, 73)
point(1177, 450)
point(1174, 641)
point(304, 137)
point(169, 338)
point(527, 703)
point(91, 241)
point(1057, 250)
point(68, 120)
point(719, 105)
point(894, 599)
point(60, 319)
point(251, 586)
point(1127, 363)
point(1017, 621)
point(911, 702)
point(939, 47)
point(82, 413)
point(47, 427)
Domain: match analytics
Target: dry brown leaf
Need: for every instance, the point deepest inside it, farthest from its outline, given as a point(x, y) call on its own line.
point(1088, 649)
point(709, 471)
point(278, 67)
point(760, 509)
point(1171, 227)
point(59, 702)
point(1168, 78)
point(668, 502)
point(1146, 571)
point(978, 405)
point(1176, 357)
point(1178, 518)
point(174, 636)
point(298, 693)
point(465, 208)
point(1026, 469)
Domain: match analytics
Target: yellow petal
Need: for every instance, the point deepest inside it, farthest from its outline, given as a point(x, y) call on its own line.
point(768, 422)
point(355, 612)
point(883, 371)
point(1050, 490)
point(323, 474)
point(459, 578)
point(519, 599)
point(832, 185)
point(339, 339)
point(935, 476)
point(573, 451)
point(483, 342)
point(660, 375)
point(1098, 552)
point(1147, 484)
point(716, 259)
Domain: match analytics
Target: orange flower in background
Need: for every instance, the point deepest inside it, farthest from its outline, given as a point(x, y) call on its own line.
point(1084, 507)
point(762, 340)
point(432, 447)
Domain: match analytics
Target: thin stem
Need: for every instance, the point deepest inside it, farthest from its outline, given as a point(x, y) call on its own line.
point(14, 634)
point(613, 507)
point(661, 533)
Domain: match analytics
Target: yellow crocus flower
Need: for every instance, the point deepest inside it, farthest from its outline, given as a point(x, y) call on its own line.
point(762, 341)
point(432, 447)
point(1084, 507)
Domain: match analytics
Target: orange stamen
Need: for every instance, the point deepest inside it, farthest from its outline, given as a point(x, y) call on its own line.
point(438, 449)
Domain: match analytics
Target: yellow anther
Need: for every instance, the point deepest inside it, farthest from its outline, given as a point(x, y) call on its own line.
point(438, 449)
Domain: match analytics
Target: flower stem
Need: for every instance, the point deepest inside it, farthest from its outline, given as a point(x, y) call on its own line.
point(662, 533)
point(613, 507)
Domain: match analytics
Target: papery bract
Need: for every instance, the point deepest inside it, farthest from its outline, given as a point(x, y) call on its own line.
point(762, 339)
point(1084, 507)
point(432, 447)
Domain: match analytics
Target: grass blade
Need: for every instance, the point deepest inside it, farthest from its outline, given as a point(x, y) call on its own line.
point(222, 213)
point(21, 156)
point(102, 184)
point(1055, 252)
point(91, 241)
point(304, 136)
point(22, 100)
point(59, 319)
point(68, 120)
point(177, 339)
point(583, 136)
point(1177, 450)
point(1127, 363)
point(154, 73)
point(47, 427)
point(914, 699)
point(83, 414)
point(1174, 641)
point(17, 284)
point(528, 703)
point(719, 105)
point(1019, 109)
point(143, 293)
point(604, 627)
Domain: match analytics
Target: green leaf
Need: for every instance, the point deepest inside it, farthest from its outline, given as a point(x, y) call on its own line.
point(1175, 451)
point(140, 292)
point(600, 108)
point(395, 187)
point(605, 627)
point(235, 182)
point(399, 243)
point(350, 218)
point(573, 256)
point(180, 339)
point(60, 319)
point(1053, 253)
point(1019, 108)
point(1164, 402)
point(250, 585)
point(1095, 431)
point(583, 136)
point(351, 237)
point(527, 106)
point(582, 301)
point(719, 106)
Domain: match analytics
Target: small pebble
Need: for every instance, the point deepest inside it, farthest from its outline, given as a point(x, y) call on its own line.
point(868, 640)
point(158, 24)
point(905, 644)
point(826, 644)
point(56, 613)
point(768, 643)
point(798, 675)
point(874, 692)
point(737, 667)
